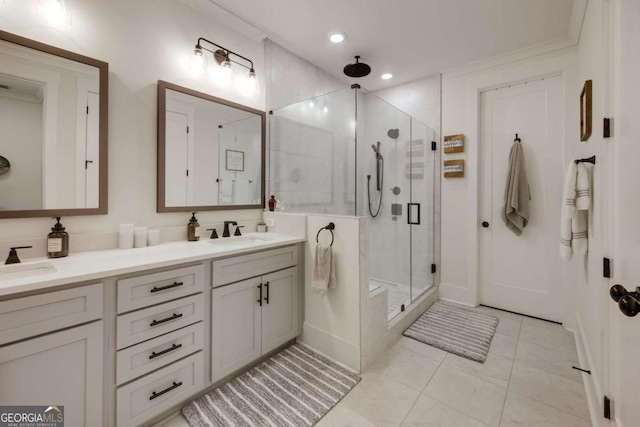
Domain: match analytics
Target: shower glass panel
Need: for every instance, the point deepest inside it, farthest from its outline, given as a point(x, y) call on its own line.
point(312, 156)
point(239, 162)
point(351, 153)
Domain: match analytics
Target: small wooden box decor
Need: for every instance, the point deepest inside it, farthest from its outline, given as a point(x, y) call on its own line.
point(454, 168)
point(585, 111)
point(454, 143)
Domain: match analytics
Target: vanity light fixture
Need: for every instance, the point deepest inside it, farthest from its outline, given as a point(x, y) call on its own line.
point(386, 76)
point(222, 56)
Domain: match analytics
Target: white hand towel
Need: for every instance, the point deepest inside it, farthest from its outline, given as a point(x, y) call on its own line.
point(574, 215)
point(324, 270)
point(582, 188)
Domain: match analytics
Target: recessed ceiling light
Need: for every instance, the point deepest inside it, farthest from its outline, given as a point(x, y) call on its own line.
point(386, 76)
point(337, 37)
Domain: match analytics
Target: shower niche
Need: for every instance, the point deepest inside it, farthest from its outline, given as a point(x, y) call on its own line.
point(351, 153)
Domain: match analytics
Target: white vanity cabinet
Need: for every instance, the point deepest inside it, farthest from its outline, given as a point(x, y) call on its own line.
point(253, 316)
point(40, 364)
point(159, 338)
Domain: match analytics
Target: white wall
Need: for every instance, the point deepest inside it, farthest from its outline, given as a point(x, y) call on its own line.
point(460, 114)
point(21, 187)
point(143, 41)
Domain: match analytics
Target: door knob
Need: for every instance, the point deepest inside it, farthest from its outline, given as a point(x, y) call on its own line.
point(485, 224)
point(627, 301)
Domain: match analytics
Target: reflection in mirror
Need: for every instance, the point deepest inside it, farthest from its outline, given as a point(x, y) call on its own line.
point(53, 130)
point(210, 152)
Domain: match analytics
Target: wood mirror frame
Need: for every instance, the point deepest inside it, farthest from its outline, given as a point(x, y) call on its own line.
point(163, 86)
point(103, 73)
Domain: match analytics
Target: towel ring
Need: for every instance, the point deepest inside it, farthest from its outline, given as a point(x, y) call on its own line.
point(329, 227)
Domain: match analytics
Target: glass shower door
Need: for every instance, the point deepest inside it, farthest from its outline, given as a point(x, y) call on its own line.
point(420, 172)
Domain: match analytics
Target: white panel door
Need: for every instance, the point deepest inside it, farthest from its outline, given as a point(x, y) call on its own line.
point(522, 273)
point(235, 327)
point(92, 160)
point(279, 308)
point(177, 159)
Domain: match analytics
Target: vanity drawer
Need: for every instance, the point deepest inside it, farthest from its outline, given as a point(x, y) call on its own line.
point(148, 356)
point(142, 325)
point(34, 315)
point(147, 397)
point(150, 289)
point(234, 269)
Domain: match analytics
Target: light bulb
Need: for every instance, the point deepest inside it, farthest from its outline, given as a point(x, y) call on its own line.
point(198, 61)
point(337, 37)
point(386, 76)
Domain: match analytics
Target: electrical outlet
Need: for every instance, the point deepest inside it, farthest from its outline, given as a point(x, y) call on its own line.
point(271, 222)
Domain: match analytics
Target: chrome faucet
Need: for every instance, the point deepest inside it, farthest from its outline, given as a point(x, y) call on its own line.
point(13, 255)
point(226, 232)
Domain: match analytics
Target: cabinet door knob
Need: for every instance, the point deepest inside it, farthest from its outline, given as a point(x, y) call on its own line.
point(485, 224)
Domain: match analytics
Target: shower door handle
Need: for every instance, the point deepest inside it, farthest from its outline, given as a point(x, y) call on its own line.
point(413, 211)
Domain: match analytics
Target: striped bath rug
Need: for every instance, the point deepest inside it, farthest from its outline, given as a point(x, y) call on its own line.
point(454, 329)
point(296, 387)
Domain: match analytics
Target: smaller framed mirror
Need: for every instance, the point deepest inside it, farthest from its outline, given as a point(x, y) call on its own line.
point(211, 152)
point(585, 111)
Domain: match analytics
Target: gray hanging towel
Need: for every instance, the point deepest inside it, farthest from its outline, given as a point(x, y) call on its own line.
point(517, 194)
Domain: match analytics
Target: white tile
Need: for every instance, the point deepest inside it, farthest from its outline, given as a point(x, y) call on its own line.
point(405, 366)
point(341, 416)
point(428, 412)
point(524, 412)
point(553, 390)
point(477, 398)
point(176, 421)
point(496, 368)
point(557, 361)
point(501, 314)
point(503, 345)
point(554, 338)
point(509, 327)
point(381, 400)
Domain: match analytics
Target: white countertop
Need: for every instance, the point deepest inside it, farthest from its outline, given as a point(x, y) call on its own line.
point(100, 264)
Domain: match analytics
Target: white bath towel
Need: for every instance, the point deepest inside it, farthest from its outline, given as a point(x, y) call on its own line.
point(516, 195)
point(574, 215)
point(324, 270)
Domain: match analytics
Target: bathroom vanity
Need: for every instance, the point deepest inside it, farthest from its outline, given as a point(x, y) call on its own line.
point(124, 337)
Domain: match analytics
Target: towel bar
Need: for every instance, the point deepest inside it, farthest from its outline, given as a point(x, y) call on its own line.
point(329, 227)
point(591, 160)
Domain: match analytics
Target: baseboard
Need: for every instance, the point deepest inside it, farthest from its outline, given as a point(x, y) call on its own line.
point(330, 346)
point(592, 387)
point(457, 294)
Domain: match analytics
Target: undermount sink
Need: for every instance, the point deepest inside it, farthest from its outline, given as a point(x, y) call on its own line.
point(238, 241)
point(19, 271)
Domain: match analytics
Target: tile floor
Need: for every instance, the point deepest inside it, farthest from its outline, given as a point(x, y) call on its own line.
point(527, 380)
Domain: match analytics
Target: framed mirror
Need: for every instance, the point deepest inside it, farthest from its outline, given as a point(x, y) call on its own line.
point(53, 130)
point(211, 152)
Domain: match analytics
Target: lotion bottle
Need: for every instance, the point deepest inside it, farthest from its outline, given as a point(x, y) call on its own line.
point(57, 241)
point(193, 229)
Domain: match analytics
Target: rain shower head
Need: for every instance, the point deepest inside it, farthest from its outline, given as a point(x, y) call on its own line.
point(393, 133)
point(358, 69)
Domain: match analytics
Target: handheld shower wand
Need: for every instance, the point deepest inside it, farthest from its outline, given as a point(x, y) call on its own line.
point(379, 179)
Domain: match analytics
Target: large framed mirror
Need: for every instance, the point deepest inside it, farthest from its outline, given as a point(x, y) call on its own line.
point(53, 130)
point(211, 152)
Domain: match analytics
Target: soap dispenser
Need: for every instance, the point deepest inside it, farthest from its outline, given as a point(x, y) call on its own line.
point(57, 241)
point(193, 229)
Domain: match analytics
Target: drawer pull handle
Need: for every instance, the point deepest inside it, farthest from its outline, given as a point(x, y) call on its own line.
point(266, 299)
point(164, 288)
point(168, 319)
point(160, 353)
point(166, 390)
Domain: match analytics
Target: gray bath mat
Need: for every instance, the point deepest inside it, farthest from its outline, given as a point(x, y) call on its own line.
point(456, 330)
point(295, 387)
